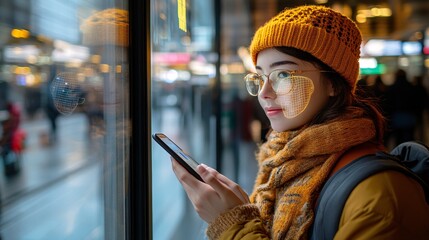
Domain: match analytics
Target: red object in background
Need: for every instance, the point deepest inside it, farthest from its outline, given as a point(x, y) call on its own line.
point(11, 127)
point(175, 58)
point(18, 140)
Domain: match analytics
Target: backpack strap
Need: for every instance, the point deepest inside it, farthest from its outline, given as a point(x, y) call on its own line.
point(355, 153)
point(334, 194)
point(349, 156)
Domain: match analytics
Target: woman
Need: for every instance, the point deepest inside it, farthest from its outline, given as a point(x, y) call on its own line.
point(307, 68)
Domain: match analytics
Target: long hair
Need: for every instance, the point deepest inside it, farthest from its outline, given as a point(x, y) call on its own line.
point(344, 97)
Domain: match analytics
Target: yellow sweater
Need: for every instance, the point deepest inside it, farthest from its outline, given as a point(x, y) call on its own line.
point(387, 205)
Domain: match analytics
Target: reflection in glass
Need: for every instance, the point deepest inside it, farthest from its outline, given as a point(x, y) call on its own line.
point(66, 92)
point(70, 86)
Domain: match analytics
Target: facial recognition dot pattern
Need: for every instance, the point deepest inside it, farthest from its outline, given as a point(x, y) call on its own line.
point(296, 96)
point(66, 92)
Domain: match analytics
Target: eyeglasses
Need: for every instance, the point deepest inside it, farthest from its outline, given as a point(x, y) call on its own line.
point(282, 81)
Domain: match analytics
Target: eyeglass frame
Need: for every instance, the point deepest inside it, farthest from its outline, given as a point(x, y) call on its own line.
point(290, 72)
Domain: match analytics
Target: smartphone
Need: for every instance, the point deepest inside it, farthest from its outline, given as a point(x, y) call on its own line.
point(177, 153)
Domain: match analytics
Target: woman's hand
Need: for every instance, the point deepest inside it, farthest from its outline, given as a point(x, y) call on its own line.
point(217, 195)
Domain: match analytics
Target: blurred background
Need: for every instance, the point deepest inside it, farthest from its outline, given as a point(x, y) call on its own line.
point(65, 106)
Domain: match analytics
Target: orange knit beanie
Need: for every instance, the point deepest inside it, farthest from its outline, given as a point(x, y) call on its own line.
point(326, 34)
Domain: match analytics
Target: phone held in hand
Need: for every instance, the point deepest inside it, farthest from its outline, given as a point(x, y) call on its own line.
point(178, 154)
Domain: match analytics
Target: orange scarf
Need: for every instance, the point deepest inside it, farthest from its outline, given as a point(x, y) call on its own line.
point(294, 165)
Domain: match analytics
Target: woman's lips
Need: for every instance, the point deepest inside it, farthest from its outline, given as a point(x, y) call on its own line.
point(273, 111)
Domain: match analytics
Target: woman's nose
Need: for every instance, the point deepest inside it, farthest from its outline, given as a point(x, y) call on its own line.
point(267, 91)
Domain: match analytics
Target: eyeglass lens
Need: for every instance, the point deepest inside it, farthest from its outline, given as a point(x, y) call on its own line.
point(281, 82)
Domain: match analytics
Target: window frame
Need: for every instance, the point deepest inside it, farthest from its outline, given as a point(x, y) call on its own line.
point(139, 212)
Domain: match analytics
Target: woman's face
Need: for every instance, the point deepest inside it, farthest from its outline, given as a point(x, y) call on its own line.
point(296, 100)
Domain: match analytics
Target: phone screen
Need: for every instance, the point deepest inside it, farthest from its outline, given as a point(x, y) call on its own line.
point(177, 153)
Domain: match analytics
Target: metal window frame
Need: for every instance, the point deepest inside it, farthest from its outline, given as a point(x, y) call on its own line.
point(139, 200)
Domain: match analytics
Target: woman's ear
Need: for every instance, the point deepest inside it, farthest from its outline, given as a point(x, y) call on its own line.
point(330, 89)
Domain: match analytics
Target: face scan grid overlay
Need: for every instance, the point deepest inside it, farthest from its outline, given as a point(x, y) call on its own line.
point(66, 92)
point(294, 94)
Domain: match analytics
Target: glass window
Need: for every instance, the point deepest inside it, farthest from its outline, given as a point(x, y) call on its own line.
point(64, 113)
point(183, 79)
point(199, 101)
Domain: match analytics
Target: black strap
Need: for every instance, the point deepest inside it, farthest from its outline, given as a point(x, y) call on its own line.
point(337, 189)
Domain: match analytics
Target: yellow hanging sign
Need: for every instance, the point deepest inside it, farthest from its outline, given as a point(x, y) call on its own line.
point(181, 13)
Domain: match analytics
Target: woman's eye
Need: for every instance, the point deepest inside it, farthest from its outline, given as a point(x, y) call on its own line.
point(283, 74)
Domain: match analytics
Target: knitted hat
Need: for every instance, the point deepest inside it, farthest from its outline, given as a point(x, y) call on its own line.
point(326, 34)
point(109, 26)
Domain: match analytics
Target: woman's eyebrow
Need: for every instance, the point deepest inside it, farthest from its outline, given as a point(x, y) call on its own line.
point(275, 64)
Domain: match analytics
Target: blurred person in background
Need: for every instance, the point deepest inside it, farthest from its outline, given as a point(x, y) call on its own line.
point(4, 90)
point(307, 68)
point(422, 99)
point(378, 89)
point(402, 106)
point(49, 106)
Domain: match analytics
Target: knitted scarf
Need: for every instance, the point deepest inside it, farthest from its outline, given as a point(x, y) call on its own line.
point(294, 165)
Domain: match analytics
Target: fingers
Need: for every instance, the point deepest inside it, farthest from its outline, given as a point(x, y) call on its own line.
point(231, 184)
point(221, 183)
point(244, 196)
point(189, 182)
point(213, 196)
point(182, 174)
point(210, 179)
